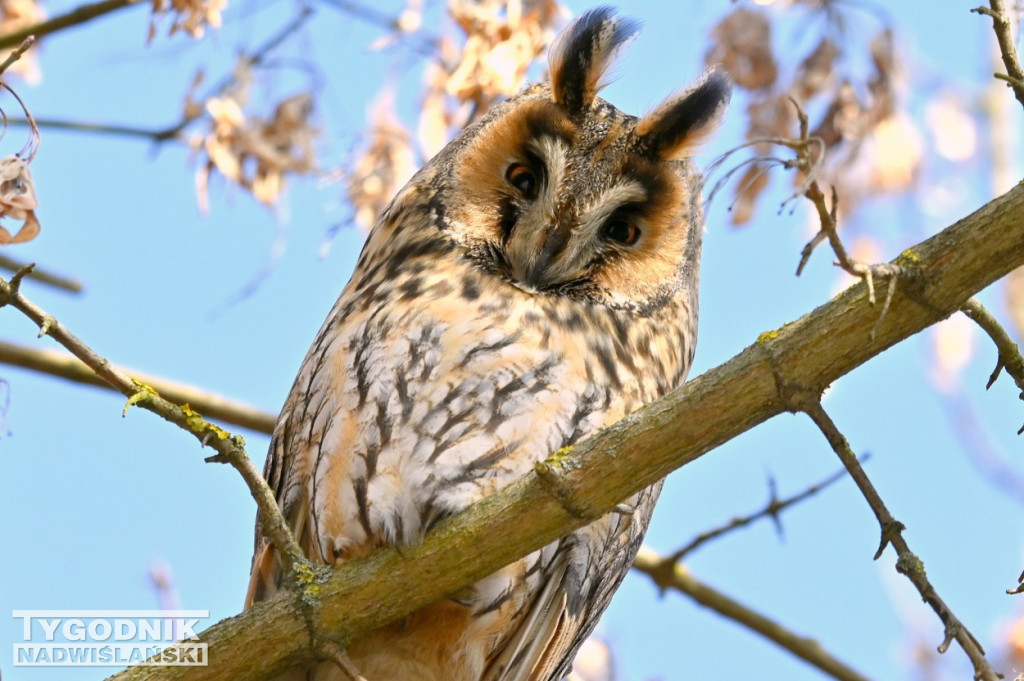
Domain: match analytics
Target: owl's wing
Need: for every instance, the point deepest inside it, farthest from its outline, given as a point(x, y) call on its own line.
point(265, 578)
point(589, 567)
point(542, 632)
point(289, 460)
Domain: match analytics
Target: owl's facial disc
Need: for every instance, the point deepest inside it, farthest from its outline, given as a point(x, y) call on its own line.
point(560, 193)
point(555, 232)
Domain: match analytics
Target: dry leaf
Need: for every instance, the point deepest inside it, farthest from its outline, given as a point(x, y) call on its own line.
point(255, 153)
point(881, 84)
point(191, 16)
point(743, 45)
point(383, 168)
point(771, 117)
point(17, 199)
point(816, 71)
point(844, 119)
point(503, 38)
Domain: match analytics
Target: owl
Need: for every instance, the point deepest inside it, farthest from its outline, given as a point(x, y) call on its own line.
point(533, 283)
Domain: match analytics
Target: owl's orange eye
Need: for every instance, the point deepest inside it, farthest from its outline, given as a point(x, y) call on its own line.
point(622, 230)
point(523, 179)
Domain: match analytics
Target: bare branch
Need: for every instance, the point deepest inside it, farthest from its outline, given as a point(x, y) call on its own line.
point(596, 474)
point(255, 58)
point(669, 574)
point(1009, 354)
point(16, 53)
point(907, 562)
point(172, 132)
point(773, 509)
point(810, 164)
point(1003, 29)
point(230, 449)
point(75, 17)
point(72, 369)
point(112, 129)
point(42, 276)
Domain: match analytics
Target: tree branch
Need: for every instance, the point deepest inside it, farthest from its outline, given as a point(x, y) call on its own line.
point(667, 574)
point(174, 131)
point(68, 367)
point(77, 16)
point(596, 474)
point(230, 449)
point(257, 57)
point(773, 509)
point(112, 129)
point(907, 562)
point(42, 276)
point(1009, 354)
point(1003, 29)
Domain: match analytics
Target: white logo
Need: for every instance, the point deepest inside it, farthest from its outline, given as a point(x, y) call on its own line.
point(110, 638)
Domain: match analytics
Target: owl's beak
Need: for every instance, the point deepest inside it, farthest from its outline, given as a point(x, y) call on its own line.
point(551, 265)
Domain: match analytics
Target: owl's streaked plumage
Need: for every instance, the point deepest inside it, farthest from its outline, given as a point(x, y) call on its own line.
point(534, 282)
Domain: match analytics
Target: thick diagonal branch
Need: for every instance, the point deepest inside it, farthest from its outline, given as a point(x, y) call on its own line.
point(601, 471)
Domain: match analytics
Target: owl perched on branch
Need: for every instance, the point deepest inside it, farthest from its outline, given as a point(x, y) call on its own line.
point(534, 282)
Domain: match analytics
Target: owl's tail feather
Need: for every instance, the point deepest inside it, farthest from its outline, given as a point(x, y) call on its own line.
point(265, 579)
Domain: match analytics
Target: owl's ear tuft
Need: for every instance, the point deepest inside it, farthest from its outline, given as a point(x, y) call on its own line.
point(677, 126)
point(583, 52)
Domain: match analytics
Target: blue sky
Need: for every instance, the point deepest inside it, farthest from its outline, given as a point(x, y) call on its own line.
point(90, 499)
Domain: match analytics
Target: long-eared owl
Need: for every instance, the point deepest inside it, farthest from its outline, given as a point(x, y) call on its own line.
point(534, 282)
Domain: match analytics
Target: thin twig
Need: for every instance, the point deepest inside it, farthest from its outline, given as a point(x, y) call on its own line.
point(773, 509)
point(254, 59)
point(829, 221)
point(42, 276)
point(230, 449)
point(17, 52)
point(112, 129)
point(907, 563)
point(77, 16)
point(668, 574)
point(174, 132)
point(1003, 28)
point(1009, 354)
point(69, 368)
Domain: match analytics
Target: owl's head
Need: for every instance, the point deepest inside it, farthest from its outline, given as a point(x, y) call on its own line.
point(559, 193)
